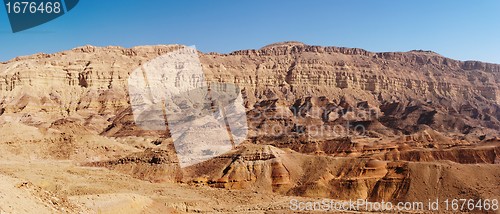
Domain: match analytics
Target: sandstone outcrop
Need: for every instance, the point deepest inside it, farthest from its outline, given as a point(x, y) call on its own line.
point(333, 122)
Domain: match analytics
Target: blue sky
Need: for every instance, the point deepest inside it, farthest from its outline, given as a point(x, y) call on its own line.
point(459, 29)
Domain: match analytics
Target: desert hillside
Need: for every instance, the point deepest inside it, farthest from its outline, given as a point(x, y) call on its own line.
point(324, 122)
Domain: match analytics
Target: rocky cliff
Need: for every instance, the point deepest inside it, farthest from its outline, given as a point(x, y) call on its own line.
point(90, 83)
point(321, 118)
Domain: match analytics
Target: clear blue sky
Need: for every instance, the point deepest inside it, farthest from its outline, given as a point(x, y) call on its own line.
point(460, 29)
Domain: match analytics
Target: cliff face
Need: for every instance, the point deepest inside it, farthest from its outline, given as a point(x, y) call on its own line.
point(91, 82)
point(415, 109)
point(312, 70)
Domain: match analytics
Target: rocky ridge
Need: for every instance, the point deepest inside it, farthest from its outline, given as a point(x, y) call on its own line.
point(420, 113)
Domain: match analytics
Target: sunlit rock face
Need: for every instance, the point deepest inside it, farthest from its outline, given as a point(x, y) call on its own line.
point(423, 119)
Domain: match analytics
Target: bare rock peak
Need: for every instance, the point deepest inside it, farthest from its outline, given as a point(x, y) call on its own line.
point(284, 44)
point(424, 52)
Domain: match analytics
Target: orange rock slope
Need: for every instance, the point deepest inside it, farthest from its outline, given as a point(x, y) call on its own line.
point(341, 123)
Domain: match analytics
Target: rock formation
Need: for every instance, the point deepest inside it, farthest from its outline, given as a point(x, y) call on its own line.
point(333, 122)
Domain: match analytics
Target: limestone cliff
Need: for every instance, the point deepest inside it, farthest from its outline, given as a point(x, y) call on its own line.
point(90, 83)
point(420, 113)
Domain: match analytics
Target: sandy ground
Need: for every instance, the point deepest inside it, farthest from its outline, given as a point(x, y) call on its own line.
point(98, 190)
point(16, 200)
